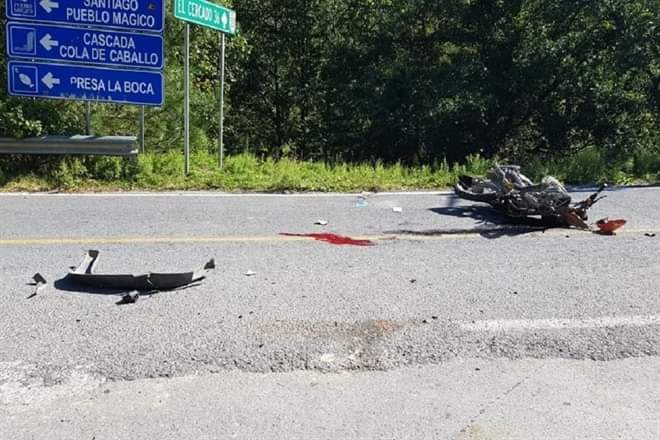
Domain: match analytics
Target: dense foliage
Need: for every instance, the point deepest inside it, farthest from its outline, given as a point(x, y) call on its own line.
point(415, 81)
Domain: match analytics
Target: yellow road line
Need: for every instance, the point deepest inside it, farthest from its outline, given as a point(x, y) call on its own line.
point(145, 240)
point(411, 236)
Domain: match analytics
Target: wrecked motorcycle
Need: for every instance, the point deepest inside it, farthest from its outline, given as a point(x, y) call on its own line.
point(508, 190)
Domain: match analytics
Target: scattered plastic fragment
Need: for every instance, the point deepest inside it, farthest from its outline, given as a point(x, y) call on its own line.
point(397, 209)
point(608, 227)
point(129, 298)
point(39, 283)
point(84, 274)
point(332, 239)
point(250, 273)
point(649, 234)
point(321, 222)
point(362, 201)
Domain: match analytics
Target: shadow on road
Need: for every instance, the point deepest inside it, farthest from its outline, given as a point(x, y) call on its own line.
point(489, 223)
point(488, 215)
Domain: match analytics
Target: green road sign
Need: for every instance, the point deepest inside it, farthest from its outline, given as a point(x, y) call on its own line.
point(206, 14)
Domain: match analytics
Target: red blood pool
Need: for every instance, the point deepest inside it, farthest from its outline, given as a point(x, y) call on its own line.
point(332, 239)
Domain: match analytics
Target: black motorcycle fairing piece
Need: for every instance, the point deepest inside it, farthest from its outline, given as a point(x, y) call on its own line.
point(84, 274)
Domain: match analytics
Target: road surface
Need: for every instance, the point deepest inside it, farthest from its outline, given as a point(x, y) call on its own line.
point(452, 325)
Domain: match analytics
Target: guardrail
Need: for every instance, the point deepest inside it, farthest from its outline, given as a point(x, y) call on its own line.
point(72, 145)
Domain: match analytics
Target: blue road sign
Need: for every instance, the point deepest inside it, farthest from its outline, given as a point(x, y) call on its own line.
point(91, 46)
point(144, 15)
point(59, 81)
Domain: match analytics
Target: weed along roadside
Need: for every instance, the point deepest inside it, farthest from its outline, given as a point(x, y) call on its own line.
point(246, 172)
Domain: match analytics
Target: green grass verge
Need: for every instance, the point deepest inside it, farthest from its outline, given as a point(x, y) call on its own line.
point(591, 166)
point(244, 172)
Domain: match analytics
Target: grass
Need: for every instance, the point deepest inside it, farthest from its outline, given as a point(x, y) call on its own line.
point(591, 166)
point(245, 172)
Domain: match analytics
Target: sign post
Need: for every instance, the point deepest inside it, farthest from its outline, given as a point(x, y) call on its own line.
point(88, 118)
point(206, 14)
point(139, 15)
point(141, 129)
point(64, 44)
point(186, 101)
point(216, 17)
point(87, 83)
point(91, 50)
point(221, 145)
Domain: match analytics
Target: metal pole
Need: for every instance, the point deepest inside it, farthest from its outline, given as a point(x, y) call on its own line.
point(88, 118)
point(221, 145)
point(141, 129)
point(186, 102)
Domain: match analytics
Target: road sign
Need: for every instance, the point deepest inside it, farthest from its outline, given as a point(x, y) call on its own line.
point(206, 14)
point(68, 44)
point(59, 81)
point(145, 15)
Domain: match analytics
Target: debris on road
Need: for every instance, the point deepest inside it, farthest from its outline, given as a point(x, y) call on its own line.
point(39, 283)
point(321, 222)
point(397, 209)
point(332, 239)
point(649, 234)
point(84, 275)
point(609, 227)
point(129, 298)
point(250, 273)
point(508, 190)
point(362, 201)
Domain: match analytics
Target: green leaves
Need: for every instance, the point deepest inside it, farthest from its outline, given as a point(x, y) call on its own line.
point(415, 81)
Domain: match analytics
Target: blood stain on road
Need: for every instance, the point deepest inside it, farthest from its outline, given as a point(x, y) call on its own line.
point(332, 239)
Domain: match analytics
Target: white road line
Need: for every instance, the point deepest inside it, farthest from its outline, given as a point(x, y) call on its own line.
point(558, 324)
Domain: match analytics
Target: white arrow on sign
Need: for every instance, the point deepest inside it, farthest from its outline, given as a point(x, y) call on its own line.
point(232, 21)
point(49, 5)
point(50, 80)
point(48, 43)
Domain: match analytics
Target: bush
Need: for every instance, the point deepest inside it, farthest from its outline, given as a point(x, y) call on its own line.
point(586, 166)
point(646, 162)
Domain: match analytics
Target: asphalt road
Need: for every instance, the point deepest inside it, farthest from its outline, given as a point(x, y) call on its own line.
point(446, 288)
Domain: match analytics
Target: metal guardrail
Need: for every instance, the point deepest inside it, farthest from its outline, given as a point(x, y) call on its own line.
point(71, 145)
